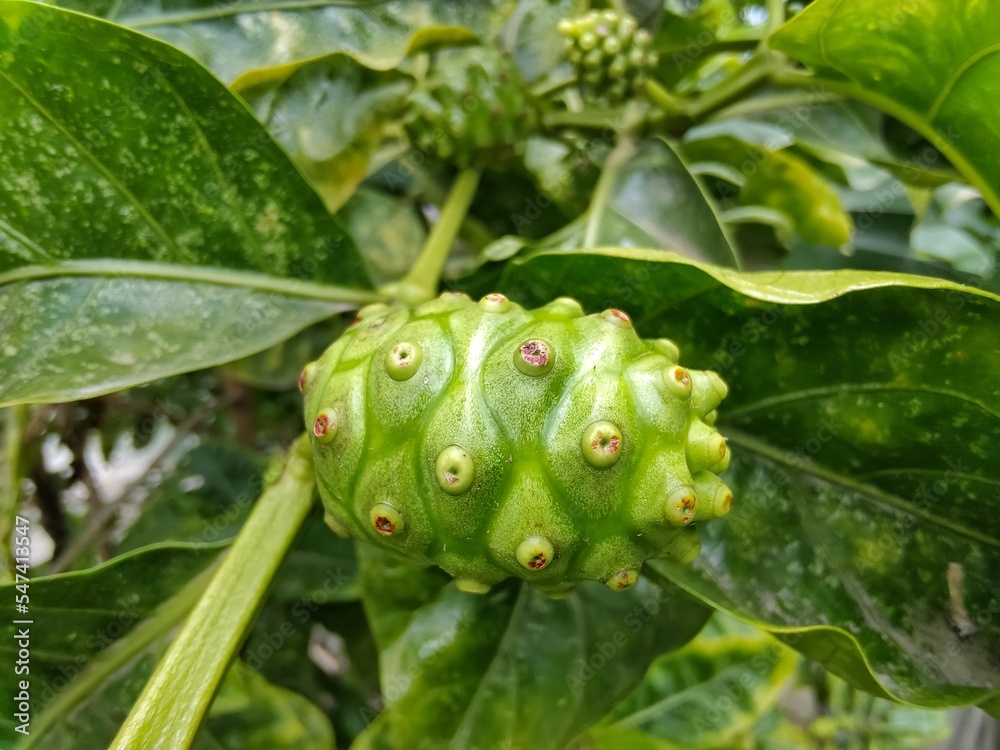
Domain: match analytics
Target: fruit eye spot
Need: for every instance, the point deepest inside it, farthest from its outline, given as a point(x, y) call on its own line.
point(386, 520)
point(325, 425)
point(617, 317)
point(403, 360)
point(454, 470)
point(535, 552)
point(601, 444)
point(534, 357)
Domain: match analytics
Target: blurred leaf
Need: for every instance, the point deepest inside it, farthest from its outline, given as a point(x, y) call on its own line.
point(204, 501)
point(827, 126)
point(533, 39)
point(278, 368)
point(772, 177)
point(389, 231)
point(708, 694)
point(958, 228)
point(512, 666)
point(787, 184)
point(864, 421)
point(137, 239)
point(248, 43)
point(331, 115)
point(249, 713)
point(931, 65)
point(76, 616)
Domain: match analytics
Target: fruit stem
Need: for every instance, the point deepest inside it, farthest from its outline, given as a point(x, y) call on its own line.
point(752, 75)
point(180, 691)
point(619, 155)
point(422, 282)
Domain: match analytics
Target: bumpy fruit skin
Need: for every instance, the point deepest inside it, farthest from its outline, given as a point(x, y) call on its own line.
point(472, 109)
point(609, 53)
point(548, 445)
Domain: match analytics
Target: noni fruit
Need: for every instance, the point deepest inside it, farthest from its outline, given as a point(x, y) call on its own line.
point(495, 441)
point(472, 109)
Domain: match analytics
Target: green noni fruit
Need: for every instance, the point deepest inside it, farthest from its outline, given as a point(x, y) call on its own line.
point(495, 441)
point(609, 53)
point(472, 109)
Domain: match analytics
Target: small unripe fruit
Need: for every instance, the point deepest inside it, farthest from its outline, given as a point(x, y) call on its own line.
point(495, 441)
point(611, 55)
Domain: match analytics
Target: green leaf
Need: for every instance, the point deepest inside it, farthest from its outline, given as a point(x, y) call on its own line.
point(389, 230)
point(864, 418)
point(76, 616)
point(770, 176)
point(931, 64)
point(204, 501)
point(828, 126)
point(708, 694)
point(249, 713)
point(331, 116)
point(512, 666)
point(252, 42)
point(651, 200)
point(786, 183)
point(148, 223)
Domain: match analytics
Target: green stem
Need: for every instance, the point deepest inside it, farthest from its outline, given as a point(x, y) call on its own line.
point(10, 483)
point(619, 155)
point(750, 76)
point(674, 108)
point(121, 652)
point(425, 276)
point(775, 15)
point(551, 84)
point(180, 691)
point(599, 119)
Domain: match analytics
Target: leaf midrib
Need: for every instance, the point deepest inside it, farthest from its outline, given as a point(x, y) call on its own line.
point(195, 274)
point(830, 390)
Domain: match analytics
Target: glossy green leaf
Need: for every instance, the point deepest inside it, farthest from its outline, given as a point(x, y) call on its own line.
point(708, 694)
point(330, 116)
point(864, 420)
point(653, 201)
point(148, 223)
point(76, 616)
point(252, 42)
point(511, 666)
point(931, 64)
point(249, 713)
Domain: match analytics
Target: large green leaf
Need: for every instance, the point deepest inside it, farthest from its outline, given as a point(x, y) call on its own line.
point(864, 418)
point(706, 695)
point(76, 616)
point(512, 667)
point(257, 41)
point(148, 223)
point(932, 64)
